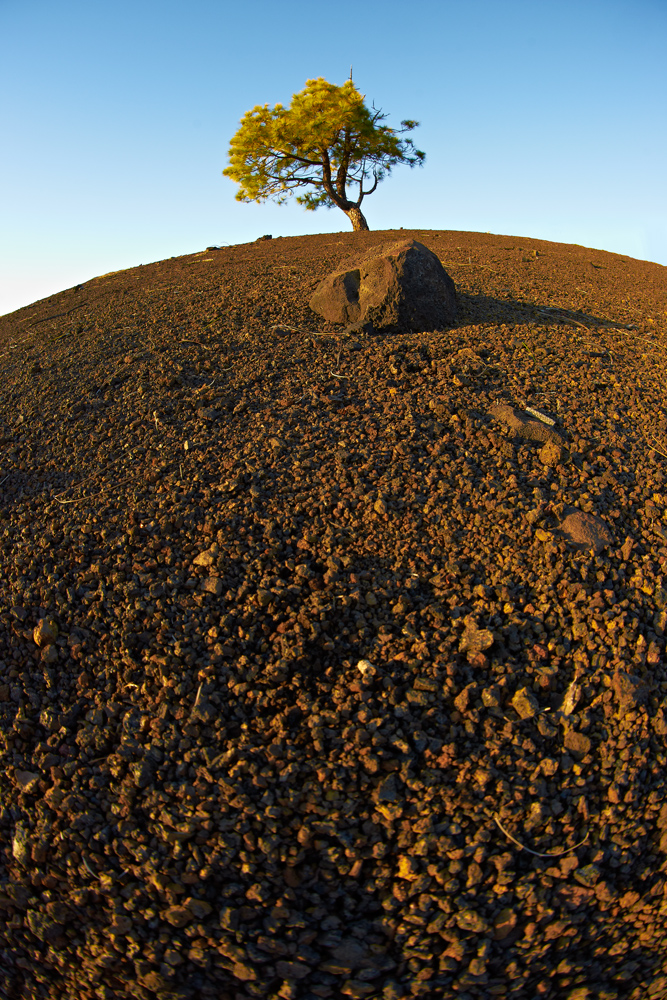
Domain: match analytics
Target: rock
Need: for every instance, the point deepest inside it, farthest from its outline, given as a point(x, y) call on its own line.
point(173, 957)
point(523, 425)
point(292, 970)
point(585, 531)
point(49, 655)
point(21, 844)
point(614, 793)
point(15, 894)
point(653, 655)
point(357, 989)
point(571, 698)
point(212, 585)
point(43, 927)
point(471, 920)
point(504, 923)
point(153, 981)
point(551, 454)
point(26, 780)
point(388, 790)
point(401, 286)
point(143, 772)
point(40, 850)
point(525, 704)
point(367, 670)
point(462, 700)
point(492, 696)
point(573, 896)
point(477, 967)
point(178, 916)
point(336, 298)
point(206, 558)
point(659, 722)
point(588, 875)
point(408, 867)
point(578, 743)
point(45, 632)
point(474, 640)
point(630, 691)
point(351, 954)
point(199, 908)
point(120, 925)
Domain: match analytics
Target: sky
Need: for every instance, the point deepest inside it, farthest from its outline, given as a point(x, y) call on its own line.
point(541, 119)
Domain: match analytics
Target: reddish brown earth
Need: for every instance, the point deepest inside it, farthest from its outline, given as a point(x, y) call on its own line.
point(203, 792)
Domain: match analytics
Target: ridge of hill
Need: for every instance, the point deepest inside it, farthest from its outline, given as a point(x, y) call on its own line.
point(308, 685)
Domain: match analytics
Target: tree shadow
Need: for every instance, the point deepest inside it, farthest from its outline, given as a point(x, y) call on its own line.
point(475, 309)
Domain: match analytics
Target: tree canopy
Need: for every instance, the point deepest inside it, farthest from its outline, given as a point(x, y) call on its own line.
point(327, 140)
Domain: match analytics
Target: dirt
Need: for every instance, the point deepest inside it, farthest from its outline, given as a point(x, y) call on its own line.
point(334, 665)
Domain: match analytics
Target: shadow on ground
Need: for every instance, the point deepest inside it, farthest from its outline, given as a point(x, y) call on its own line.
point(486, 309)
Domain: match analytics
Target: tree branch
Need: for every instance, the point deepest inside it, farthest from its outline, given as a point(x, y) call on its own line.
point(299, 159)
point(327, 184)
point(362, 193)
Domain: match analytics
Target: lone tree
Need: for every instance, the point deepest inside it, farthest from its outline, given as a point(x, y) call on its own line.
point(328, 140)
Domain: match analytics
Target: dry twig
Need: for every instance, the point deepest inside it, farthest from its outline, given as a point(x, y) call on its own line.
point(538, 854)
point(86, 480)
point(85, 861)
point(93, 496)
point(653, 445)
point(460, 263)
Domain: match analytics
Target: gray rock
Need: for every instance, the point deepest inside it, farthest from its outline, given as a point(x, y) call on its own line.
point(401, 286)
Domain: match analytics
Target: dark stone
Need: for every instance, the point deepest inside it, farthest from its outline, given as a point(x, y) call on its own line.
point(388, 790)
point(630, 691)
point(43, 927)
point(402, 286)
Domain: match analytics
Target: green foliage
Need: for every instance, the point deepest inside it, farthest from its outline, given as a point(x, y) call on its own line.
point(326, 140)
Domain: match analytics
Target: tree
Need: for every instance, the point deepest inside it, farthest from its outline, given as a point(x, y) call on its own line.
point(328, 140)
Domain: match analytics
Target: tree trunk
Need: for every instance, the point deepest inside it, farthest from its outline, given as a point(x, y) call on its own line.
point(356, 217)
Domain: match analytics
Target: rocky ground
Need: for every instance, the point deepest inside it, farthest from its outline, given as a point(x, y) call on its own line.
point(326, 668)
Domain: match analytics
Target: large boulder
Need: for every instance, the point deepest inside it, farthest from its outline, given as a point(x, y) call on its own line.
point(398, 287)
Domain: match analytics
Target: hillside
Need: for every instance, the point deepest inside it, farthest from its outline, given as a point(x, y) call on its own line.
point(352, 676)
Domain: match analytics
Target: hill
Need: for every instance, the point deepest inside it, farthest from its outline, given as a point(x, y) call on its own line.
point(334, 666)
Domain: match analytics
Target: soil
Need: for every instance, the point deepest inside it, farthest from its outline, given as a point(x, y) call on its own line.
point(333, 665)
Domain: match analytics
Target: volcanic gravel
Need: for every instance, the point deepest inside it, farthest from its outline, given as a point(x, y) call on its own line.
point(327, 668)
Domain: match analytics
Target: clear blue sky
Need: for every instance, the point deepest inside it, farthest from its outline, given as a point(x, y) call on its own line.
point(543, 118)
